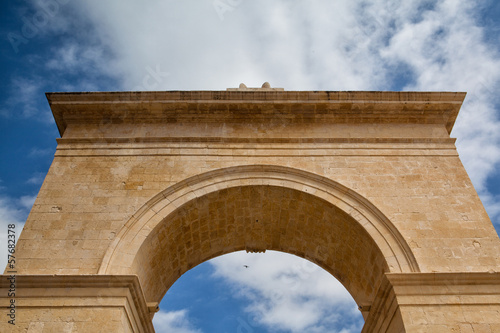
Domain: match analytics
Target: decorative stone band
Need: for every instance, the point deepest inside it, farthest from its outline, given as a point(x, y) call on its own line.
point(65, 298)
point(446, 288)
point(272, 147)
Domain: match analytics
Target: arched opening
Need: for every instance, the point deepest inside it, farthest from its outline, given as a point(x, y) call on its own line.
point(257, 218)
point(255, 292)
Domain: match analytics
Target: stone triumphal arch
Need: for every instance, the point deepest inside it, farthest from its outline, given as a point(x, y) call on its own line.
point(146, 185)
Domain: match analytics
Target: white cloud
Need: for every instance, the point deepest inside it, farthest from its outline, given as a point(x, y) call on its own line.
point(492, 206)
point(72, 57)
point(173, 322)
point(27, 201)
point(24, 100)
point(24, 91)
point(36, 179)
point(292, 44)
point(9, 211)
point(40, 152)
point(288, 293)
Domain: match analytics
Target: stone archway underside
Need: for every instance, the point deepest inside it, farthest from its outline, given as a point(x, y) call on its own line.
point(259, 218)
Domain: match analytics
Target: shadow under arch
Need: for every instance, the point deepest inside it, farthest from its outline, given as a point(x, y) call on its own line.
point(257, 208)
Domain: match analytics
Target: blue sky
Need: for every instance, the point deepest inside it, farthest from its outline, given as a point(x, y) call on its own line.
point(95, 45)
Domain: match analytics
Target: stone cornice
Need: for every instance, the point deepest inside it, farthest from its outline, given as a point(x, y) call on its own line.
point(446, 141)
point(446, 288)
point(256, 106)
point(78, 285)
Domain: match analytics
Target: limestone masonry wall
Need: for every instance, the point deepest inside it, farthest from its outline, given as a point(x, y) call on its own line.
point(368, 185)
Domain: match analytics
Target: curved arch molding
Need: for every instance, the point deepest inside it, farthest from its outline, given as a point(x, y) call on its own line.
point(121, 253)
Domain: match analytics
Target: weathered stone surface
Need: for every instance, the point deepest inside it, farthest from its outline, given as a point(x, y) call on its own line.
point(366, 184)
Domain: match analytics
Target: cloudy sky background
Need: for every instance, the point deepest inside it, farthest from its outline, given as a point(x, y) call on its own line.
point(97, 45)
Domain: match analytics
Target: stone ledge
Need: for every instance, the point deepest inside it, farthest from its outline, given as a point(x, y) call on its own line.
point(457, 289)
point(461, 288)
point(258, 94)
point(79, 290)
